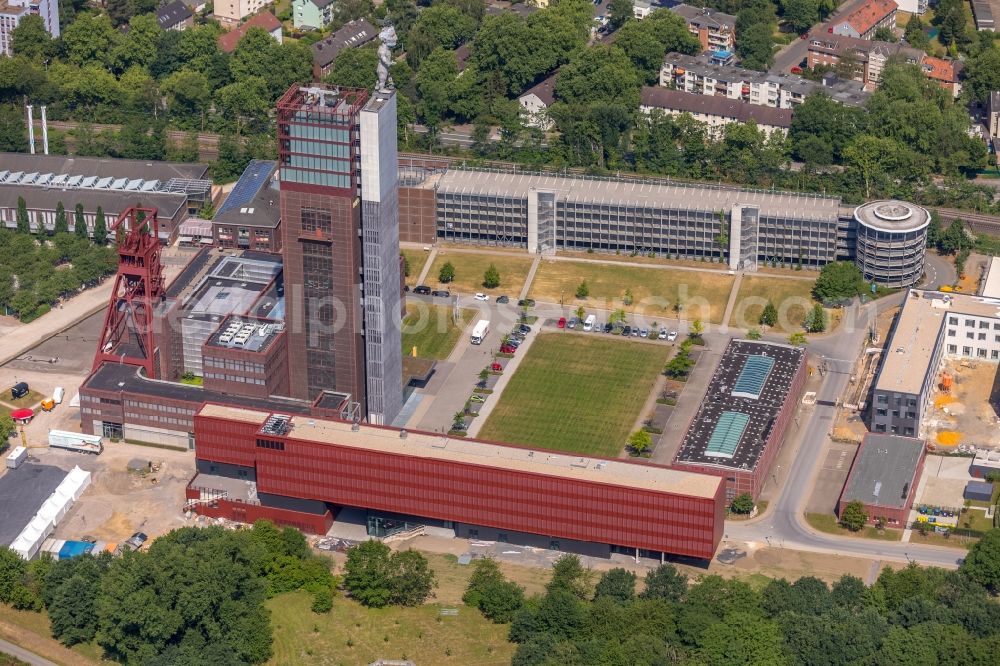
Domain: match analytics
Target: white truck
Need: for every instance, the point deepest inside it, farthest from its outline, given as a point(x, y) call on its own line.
point(480, 331)
point(58, 394)
point(588, 323)
point(75, 441)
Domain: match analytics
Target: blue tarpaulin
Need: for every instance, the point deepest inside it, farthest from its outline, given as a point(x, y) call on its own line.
point(74, 548)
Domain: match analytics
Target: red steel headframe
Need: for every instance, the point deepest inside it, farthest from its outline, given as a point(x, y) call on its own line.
point(127, 335)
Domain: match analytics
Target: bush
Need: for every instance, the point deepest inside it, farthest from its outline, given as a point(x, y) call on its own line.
point(742, 504)
point(854, 517)
point(322, 601)
point(447, 273)
point(491, 278)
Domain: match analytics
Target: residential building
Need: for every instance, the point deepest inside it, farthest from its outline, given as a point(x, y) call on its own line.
point(930, 327)
point(249, 217)
point(312, 14)
point(12, 11)
point(912, 6)
point(174, 16)
point(866, 19)
point(352, 34)
point(341, 255)
point(266, 21)
point(715, 30)
point(861, 59)
point(641, 8)
point(303, 471)
point(740, 425)
point(714, 111)
point(946, 73)
point(230, 12)
point(993, 114)
point(884, 477)
point(702, 75)
point(535, 103)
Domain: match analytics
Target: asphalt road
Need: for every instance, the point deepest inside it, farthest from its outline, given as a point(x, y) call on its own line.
point(793, 54)
point(24, 655)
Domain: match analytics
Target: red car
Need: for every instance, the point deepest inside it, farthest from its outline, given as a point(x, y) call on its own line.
point(507, 349)
point(562, 322)
point(796, 70)
point(496, 367)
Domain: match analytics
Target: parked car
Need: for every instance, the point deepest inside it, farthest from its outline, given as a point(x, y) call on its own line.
point(627, 330)
point(496, 367)
point(507, 349)
point(672, 336)
point(635, 332)
point(527, 302)
point(662, 334)
point(422, 289)
point(561, 323)
point(503, 299)
point(441, 293)
point(480, 296)
point(515, 342)
point(524, 329)
point(608, 327)
point(644, 333)
point(573, 321)
point(477, 397)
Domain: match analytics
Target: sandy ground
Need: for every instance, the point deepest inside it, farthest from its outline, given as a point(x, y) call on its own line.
point(967, 415)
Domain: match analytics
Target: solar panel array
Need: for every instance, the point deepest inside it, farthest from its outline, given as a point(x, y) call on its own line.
point(254, 177)
point(753, 376)
point(727, 434)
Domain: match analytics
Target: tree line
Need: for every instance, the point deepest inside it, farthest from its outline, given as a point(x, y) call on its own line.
point(195, 598)
point(914, 615)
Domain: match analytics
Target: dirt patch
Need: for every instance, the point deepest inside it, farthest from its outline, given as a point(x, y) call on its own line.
point(966, 414)
point(118, 525)
point(948, 438)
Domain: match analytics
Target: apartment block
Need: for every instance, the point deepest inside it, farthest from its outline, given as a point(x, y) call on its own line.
point(715, 30)
point(866, 19)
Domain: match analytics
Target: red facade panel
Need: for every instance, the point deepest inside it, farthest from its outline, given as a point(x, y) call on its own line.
point(468, 493)
point(245, 512)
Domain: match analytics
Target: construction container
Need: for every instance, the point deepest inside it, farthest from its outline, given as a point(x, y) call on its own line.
point(16, 457)
point(48, 404)
point(58, 394)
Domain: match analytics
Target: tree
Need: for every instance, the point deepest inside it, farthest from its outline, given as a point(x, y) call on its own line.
point(797, 339)
point(246, 101)
point(619, 12)
point(800, 15)
point(368, 573)
point(447, 273)
point(100, 228)
point(954, 240)
point(438, 26)
point(884, 34)
point(769, 316)
point(412, 579)
point(72, 588)
point(982, 74)
point(79, 223)
point(873, 157)
point(645, 42)
point(569, 575)
point(744, 638)
point(754, 46)
point(754, 334)
point(616, 584)
point(982, 564)
point(485, 572)
point(500, 600)
point(7, 428)
point(854, 517)
point(90, 40)
point(61, 224)
point(914, 33)
point(665, 582)
point(30, 39)
point(639, 442)
point(580, 313)
point(697, 328)
point(23, 223)
point(742, 504)
point(680, 365)
point(950, 17)
point(838, 280)
point(816, 319)
point(582, 290)
point(491, 278)
point(627, 297)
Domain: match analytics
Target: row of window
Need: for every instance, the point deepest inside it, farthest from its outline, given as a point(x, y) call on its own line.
point(103, 401)
point(158, 407)
point(233, 364)
point(971, 335)
point(972, 323)
point(239, 379)
point(994, 355)
point(880, 427)
point(166, 420)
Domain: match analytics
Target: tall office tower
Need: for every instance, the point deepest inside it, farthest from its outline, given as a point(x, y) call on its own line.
point(380, 241)
point(319, 153)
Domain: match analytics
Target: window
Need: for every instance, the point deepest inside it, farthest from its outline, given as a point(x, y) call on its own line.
point(270, 444)
point(970, 335)
point(994, 354)
point(951, 332)
point(907, 431)
point(473, 533)
point(952, 349)
point(984, 324)
point(314, 219)
point(879, 427)
point(882, 411)
point(952, 320)
point(970, 322)
point(982, 336)
point(882, 399)
point(967, 351)
point(981, 353)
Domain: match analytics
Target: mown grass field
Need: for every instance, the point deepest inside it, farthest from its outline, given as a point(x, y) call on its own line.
point(793, 298)
point(432, 330)
point(416, 260)
point(655, 291)
point(576, 393)
point(470, 267)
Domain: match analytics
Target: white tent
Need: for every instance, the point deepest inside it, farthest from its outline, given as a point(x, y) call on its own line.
point(52, 511)
point(75, 482)
point(30, 540)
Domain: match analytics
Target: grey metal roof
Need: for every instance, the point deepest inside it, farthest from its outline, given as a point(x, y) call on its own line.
point(883, 470)
point(113, 202)
point(101, 167)
point(678, 196)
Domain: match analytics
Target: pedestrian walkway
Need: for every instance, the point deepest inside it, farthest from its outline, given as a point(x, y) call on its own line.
point(427, 266)
point(733, 294)
point(24, 655)
point(501, 384)
point(531, 276)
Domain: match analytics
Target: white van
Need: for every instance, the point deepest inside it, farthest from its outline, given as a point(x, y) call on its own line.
point(479, 332)
point(588, 323)
point(58, 395)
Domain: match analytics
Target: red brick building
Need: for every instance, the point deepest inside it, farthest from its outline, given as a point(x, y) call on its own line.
point(884, 477)
point(300, 470)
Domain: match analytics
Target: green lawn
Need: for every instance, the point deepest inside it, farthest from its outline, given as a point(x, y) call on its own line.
point(416, 259)
point(827, 522)
point(792, 298)
point(31, 399)
point(432, 330)
point(352, 634)
point(576, 392)
point(471, 266)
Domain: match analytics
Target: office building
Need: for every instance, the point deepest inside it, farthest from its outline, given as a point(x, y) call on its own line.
point(302, 471)
point(249, 217)
point(739, 428)
point(884, 477)
point(340, 241)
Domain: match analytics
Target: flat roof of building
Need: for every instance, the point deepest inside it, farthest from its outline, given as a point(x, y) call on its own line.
point(884, 470)
point(991, 283)
point(244, 334)
point(102, 166)
point(910, 349)
point(116, 377)
point(637, 193)
point(742, 401)
point(233, 284)
point(475, 452)
point(111, 201)
point(892, 216)
point(253, 201)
